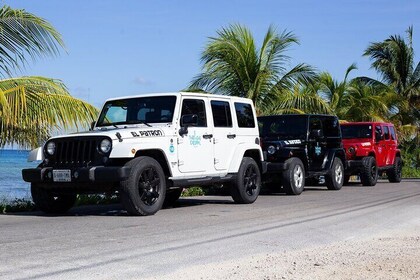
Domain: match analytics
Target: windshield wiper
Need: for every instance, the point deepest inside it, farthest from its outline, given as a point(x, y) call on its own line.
point(105, 128)
point(139, 121)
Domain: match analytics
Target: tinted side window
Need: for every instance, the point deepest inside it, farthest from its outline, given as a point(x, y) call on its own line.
point(386, 133)
point(392, 130)
point(244, 115)
point(314, 124)
point(221, 113)
point(195, 107)
point(378, 133)
point(286, 127)
point(331, 127)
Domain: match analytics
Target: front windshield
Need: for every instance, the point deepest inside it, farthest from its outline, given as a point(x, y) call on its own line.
point(356, 131)
point(157, 109)
point(284, 127)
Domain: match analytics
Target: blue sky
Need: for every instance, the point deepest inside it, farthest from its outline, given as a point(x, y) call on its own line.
point(117, 48)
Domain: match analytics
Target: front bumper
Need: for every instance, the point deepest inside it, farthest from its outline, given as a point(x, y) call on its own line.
point(94, 174)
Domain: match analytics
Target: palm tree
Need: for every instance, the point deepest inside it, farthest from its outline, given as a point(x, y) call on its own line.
point(354, 100)
point(363, 102)
point(31, 107)
point(233, 65)
point(393, 59)
point(302, 98)
point(334, 92)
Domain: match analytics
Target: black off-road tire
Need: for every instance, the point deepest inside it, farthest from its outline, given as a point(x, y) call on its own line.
point(51, 201)
point(294, 177)
point(395, 174)
point(247, 185)
point(369, 172)
point(335, 179)
point(143, 193)
point(171, 197)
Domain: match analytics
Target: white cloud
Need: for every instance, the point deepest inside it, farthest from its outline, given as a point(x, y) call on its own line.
point(142, 81)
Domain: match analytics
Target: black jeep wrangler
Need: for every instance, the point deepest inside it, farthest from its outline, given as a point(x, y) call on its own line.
point(299, 147)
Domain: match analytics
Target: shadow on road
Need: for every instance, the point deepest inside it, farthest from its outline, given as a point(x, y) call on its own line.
point(118, 210)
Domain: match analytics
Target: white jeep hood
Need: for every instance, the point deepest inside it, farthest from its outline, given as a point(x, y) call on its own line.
point(123, 139)
point(137, 131)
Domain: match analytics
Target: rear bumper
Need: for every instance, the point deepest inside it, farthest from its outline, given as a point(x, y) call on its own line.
point(95, 174)
point(274, 167)
point(354, 166)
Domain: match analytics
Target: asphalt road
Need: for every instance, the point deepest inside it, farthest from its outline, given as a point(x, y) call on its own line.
point(102, 242)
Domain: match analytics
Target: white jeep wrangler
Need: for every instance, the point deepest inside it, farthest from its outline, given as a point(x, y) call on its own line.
point(148, 148)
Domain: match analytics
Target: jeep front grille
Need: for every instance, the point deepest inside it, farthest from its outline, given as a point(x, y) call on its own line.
point(76, 151)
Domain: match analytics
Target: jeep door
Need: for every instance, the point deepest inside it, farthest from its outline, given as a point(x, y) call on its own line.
point(195, 148)
point(317, 144)
point(224, 133)
point(246, 122)
point(380, 146)
point(392, 146)
point(387, 143)
point(332, 132)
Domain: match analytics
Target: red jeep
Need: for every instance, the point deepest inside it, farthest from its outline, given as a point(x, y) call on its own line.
point(371, 149)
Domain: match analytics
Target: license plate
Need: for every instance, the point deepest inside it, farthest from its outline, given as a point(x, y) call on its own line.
point(62, 175)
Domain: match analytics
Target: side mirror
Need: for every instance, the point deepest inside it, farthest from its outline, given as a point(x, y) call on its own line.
point(92, 125)
point(187, 120)
point(316, 134)
point(379, 137)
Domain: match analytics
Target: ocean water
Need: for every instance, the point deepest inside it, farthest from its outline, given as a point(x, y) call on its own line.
point(11, 183)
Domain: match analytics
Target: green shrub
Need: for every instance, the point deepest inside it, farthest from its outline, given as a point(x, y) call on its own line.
point(411, 167)
point(16, 205)
point(193, 191)
point(96, 199)
point(217, 189)
point(410, 172)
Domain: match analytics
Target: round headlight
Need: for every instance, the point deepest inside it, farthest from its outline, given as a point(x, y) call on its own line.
point(352, 151)
point(51, 148)
point(105, 146)
point(271, 150)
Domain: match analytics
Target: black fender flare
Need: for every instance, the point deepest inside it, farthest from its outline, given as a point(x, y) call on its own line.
point(333, 153)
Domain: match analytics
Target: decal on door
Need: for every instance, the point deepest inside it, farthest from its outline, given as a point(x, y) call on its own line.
point(317, 150)
point(171, 147)
point(291, 142)
point(195, 140)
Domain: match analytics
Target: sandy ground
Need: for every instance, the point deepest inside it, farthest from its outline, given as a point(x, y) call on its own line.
point(392, 256)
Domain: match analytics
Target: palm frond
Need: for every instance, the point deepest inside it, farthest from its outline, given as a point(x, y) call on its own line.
point(233, 65)
point(301, 99)
point(30, 107)
point(22, 34)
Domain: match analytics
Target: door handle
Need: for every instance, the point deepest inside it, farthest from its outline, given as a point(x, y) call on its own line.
point(231, 136)
point(207, 136)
